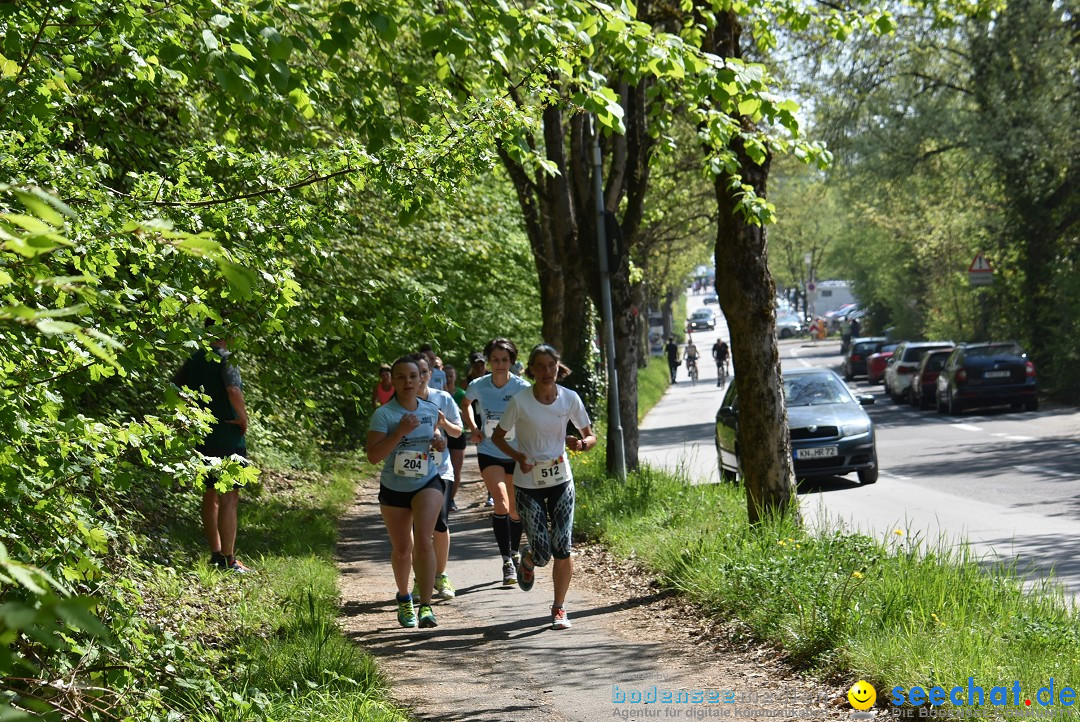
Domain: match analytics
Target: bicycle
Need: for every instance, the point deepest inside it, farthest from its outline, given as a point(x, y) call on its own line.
point(691, 368)
point(721, 371)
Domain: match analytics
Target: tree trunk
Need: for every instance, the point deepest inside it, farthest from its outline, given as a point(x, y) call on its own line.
point(747, 297)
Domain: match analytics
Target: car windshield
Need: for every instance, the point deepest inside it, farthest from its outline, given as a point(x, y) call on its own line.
point(815, 389)
point(888, 348)
point(998, 349)
point(864, 348)
point(703, 313)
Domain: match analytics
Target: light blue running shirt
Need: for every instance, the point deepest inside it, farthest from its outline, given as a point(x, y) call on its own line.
point(437, 380)
point(493, 401)
point(412, 463)
point(450, 410)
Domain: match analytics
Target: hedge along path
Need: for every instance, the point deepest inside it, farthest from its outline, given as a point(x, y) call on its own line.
point(494, 658)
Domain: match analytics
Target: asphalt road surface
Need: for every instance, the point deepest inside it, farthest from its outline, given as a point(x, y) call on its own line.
point(1006, 482)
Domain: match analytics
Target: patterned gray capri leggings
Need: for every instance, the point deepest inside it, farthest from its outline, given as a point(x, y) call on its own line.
point(539, 507)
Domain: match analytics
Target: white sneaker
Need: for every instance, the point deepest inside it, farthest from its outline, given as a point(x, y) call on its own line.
point(559, 620)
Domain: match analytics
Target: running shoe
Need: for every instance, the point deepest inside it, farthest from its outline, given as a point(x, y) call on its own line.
point(489, 502)
point(444, 588)
point(527, 576)
point(406, 613)
point(559, 620)
point(453, 505)
point(416, 589)
point(510, 577)
point(515, 557)
point(218, 561)
point(427, 617)
point(238, 567)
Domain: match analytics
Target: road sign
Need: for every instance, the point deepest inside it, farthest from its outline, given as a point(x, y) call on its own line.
point(810, 287)
point(980, 273)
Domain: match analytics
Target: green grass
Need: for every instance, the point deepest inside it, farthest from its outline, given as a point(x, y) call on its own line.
point(272, 639)
point(653, 381)
point(895, 611)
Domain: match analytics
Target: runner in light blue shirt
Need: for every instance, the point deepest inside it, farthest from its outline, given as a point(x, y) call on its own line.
point(403, 435)
point(451, 426)
point(493, 392)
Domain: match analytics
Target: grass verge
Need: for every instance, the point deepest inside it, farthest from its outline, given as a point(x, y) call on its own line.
point(271, 639)
point(652, 381)
point(899, 611)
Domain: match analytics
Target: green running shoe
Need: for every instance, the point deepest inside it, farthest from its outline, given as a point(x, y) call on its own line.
point(427, 617)
point(406, 613)
point(444, 588)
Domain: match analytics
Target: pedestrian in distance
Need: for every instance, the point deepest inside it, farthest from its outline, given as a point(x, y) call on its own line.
point(455, 446)
point(538, 416)
point(672, 351)
point(450, 425)
point(213, 373)
point(404, 436)
point(384, 390)
point(856, 327)
point(493, 392)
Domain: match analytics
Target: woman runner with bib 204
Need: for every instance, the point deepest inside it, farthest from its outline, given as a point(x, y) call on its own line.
point(543, 479)
point(403, 434)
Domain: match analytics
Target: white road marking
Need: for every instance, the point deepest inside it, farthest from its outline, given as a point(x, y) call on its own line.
point(1044, 470)
point(967, 427)
point(1020, 438)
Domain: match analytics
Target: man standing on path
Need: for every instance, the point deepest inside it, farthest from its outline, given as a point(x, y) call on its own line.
point(212, 373)
point(672, 350)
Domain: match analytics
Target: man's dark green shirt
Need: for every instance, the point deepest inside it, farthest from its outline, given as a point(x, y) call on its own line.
point(203, 372)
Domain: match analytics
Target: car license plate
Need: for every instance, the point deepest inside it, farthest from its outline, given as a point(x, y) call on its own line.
point(997, 374)
point(820, 452)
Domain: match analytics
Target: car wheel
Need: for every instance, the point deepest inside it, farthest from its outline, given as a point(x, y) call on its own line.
point(869, 476)
point(785, 333)
point(954, 406)
point(1032, 405)
point(848, 376)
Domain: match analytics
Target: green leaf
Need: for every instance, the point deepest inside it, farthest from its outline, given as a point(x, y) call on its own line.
point(50, 327)
point(5, 278)
point(240, 278)
point(209, 40)
point(242, 51)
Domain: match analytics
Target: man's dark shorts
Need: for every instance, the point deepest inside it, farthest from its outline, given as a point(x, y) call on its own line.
point(457, 443)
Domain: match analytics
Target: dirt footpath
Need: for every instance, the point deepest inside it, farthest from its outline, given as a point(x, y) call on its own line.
point(634, 652)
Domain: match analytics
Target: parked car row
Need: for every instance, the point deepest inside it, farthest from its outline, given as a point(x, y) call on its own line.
point(949, 377)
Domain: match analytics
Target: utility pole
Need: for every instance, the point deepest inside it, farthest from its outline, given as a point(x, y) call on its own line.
point(616, 447)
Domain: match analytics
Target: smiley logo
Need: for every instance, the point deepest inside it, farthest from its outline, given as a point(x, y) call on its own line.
point(862, 695)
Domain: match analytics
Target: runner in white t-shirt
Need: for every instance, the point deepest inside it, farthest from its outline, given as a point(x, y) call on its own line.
point(542, 477)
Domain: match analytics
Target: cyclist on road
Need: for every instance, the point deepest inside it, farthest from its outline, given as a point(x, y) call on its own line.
point(720, 356)
point(691, 354)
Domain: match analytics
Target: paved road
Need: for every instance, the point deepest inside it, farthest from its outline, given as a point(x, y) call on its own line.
point(1008, 482)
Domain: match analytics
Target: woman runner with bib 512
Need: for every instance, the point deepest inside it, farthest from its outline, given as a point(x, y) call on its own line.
point(403, 434)
point(542, 477)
